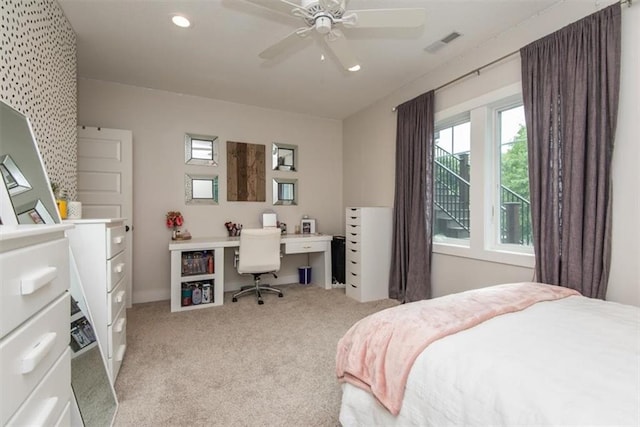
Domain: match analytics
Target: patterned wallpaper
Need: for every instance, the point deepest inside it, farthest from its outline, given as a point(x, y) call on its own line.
point(38, 78)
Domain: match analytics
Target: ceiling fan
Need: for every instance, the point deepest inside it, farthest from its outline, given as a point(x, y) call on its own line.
point(326, 17)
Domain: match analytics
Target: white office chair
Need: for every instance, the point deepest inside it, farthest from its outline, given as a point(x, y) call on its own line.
point(259, 253)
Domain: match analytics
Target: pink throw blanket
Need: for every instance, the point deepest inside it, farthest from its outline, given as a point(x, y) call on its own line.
point(378, 352)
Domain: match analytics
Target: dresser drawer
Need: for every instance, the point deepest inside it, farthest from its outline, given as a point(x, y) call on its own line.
point(31, 278)
point(117, 332)
point(46, 405)
point(352, 235)
point(352, 288)
point(117, 344)
point(304, 247)
point(116, 270)
point(115, 301)
point(29, 351)
point(352, 265)
point(353, 245)
point(353, 218)
point(352, 229)
point(65, 418)
point(116, 241)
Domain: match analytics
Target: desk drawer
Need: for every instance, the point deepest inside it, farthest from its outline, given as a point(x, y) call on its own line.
point(116, 300)
point(116, 241)
point(353, 265)
point(304, 247)
point(32, 277)
point(29, 351)
point(116, 269)
point(352, 235)
point(353, 245)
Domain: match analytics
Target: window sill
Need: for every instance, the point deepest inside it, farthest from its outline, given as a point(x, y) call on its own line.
point(499, 256)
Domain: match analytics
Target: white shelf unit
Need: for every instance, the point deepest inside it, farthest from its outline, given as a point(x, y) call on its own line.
point(368, 252)
point(182, 274)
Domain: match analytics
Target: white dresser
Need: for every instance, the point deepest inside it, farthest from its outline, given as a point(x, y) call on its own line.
point(368, 252)
point(35, 361)
point(98, 246)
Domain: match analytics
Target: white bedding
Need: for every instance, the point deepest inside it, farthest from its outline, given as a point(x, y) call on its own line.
point(575, 361)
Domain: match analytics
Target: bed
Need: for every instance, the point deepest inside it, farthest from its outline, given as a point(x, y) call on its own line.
point(567, 360)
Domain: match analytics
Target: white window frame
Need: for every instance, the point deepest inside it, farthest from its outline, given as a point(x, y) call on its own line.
point(493, 237)
point(484, 197)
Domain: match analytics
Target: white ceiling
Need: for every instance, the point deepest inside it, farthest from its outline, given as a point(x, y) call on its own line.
point(134, 42)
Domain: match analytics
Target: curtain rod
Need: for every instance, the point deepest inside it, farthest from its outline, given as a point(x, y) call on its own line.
point(495, 61)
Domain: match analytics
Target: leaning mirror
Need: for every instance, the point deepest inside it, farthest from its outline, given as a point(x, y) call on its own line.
point(200, 189)
point(284, 157)
point(200, 150)
point(285, 191)
point(23, 173)
point(95, 396)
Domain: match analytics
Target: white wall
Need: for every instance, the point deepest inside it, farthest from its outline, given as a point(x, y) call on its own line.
point(369, 145)
point(159, 121)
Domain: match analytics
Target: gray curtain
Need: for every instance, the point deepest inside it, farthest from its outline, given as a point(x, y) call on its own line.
point(410, 276)
point(570, 85)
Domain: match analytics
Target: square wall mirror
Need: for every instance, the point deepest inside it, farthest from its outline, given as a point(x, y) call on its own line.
point(285, 191)
point(200, 150)
point(200, 189)
point(284, 157)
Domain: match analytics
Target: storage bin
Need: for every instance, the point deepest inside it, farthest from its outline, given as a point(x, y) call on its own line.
point(304, 274)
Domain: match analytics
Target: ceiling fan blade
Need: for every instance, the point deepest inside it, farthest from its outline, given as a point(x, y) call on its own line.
point(286, 43)
point(282, 6)
point(385, 18)
point(339, 45)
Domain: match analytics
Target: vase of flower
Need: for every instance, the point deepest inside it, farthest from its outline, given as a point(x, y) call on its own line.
point(174, 220)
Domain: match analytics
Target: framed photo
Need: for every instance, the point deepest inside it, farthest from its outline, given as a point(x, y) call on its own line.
point(34, 212)
point(308, 226)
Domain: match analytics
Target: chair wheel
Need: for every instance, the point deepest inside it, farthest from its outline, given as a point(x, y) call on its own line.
point(260, 302)
point(280, 295)
point(234, 299)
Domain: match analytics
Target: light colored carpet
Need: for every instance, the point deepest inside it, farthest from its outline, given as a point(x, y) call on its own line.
point(240, 364)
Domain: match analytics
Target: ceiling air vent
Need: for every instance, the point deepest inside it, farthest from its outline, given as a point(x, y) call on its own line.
point(435, 46)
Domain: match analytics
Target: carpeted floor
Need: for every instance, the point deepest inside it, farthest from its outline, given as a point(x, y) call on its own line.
point(240, 364)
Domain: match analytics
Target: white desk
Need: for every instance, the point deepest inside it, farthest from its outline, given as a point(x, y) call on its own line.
point(318, 246)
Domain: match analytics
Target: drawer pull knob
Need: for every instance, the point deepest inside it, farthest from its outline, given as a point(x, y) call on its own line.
point(120, 297)
point(30, 284)
point(44, 413)
point(38, 352)
point(353, 262)
point(120, 354)
point(120, 325)
point(353, 274)
point(353, 286)
point(118, 240)
point(119, 268)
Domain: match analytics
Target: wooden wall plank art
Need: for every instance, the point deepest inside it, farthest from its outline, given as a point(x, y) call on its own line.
point(245, 172)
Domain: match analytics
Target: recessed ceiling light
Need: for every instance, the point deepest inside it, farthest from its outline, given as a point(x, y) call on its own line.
point(322, 57)
point(354, 68)
point(181, 21)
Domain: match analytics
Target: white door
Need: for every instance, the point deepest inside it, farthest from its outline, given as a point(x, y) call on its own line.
point(105, 181)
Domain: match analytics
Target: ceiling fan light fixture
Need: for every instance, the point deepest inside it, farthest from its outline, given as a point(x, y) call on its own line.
point(323, 24)
point(354, 68)
point(181, 21)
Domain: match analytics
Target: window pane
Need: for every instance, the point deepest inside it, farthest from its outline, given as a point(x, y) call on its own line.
point(452, 166)
point(515, 212)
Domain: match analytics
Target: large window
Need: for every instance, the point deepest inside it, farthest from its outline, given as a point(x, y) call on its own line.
point(483, 212)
